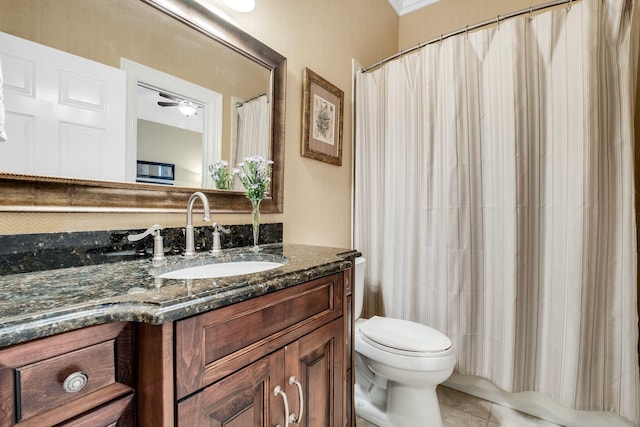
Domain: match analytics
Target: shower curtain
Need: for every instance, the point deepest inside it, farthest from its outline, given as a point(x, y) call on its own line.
point(252, 132)
point(494, 200)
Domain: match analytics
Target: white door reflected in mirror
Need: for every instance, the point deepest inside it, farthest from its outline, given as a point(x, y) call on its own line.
point(65, 115)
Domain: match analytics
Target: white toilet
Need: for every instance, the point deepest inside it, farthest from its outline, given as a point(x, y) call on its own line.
point(398, 366)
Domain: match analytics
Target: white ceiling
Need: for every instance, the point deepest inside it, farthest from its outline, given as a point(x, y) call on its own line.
point(148, 109)
point(405, 6)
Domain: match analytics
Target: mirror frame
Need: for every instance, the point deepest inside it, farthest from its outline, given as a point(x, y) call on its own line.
point(50, 194)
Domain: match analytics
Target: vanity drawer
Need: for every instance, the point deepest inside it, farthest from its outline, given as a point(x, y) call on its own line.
point(33, 374)
point(117, 413)
point(215, 344)
point(46, 384)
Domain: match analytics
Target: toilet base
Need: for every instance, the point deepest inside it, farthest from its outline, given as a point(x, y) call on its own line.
point(368, 410)
point(404, 408)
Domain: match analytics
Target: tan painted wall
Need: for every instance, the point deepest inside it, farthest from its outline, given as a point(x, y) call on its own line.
point(322, 35)
point(169, 144)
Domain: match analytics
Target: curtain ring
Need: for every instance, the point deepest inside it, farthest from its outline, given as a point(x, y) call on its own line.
point(466, 30)
point(498, 20)
point(440, 38)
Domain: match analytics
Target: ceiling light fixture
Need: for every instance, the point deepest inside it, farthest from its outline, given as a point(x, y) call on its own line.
point(241, 5)
point(187, 110)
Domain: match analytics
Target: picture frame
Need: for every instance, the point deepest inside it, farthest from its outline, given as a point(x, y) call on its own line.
point(322, 116)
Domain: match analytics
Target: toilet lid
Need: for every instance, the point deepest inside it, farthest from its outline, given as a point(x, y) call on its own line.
point(404, 335)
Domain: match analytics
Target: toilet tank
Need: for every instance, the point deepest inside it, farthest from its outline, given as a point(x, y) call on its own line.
point(358, 287)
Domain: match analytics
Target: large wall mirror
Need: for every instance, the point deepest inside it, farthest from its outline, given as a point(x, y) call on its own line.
point(178, 57)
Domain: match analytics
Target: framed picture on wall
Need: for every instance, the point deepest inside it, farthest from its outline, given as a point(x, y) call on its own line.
point(322, 111)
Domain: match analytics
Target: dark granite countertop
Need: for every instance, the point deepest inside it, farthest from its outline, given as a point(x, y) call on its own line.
point(40, 304)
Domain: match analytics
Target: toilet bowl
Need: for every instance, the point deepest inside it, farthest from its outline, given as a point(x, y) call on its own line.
point(398, 366)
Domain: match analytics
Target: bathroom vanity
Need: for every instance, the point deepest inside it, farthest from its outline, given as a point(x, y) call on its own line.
point(115, 345)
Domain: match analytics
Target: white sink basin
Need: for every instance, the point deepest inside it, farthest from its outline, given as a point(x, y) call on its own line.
point(223, 269)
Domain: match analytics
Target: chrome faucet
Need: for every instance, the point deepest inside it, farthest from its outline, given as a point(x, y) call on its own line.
point(189, 250)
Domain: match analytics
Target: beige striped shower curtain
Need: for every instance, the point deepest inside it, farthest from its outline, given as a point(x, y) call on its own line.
point(494, 200)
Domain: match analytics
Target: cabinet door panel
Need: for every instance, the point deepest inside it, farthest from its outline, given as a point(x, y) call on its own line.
point(243, 399)
point(316, 360)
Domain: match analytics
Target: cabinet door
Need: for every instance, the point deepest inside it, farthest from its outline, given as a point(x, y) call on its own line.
point(316, 362)
point(242, 399)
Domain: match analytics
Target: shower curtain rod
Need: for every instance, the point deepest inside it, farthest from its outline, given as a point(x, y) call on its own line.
point(239, 103)
point(466, 29)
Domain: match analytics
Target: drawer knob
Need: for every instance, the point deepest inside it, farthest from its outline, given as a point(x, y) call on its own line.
point(75, 382)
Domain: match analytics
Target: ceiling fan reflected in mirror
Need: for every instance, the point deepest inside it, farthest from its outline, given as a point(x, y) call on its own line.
point(186, 107)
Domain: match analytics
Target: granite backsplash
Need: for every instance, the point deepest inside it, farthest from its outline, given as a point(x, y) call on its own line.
point(25, 253)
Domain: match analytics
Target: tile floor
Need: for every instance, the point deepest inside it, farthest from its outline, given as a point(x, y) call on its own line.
point(462, 410)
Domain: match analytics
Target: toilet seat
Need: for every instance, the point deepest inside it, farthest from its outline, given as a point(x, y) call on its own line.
point(404, 337)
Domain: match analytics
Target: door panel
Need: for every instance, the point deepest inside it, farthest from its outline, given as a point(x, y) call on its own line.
point(316, 361)
point(245, 398)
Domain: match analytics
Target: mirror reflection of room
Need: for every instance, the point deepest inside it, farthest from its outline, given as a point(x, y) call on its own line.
point(169, 135)
point(91, 101)
point(250, 130)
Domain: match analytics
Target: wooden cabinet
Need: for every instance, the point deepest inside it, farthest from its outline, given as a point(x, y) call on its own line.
point(82, 377)
point(234, 366)
point(228, 362)
point(349, 352)
point(306, 368)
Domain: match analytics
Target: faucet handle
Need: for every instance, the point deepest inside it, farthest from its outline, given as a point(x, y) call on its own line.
point(218, 228)
point(158, 245)
point(154, 230)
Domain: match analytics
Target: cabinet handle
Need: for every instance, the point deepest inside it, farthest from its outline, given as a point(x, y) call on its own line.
point(279, 392)
point(292, 381)
point(75, 382)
